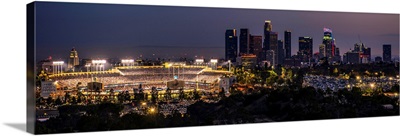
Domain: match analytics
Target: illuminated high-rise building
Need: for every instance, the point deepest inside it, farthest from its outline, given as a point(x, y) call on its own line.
point(244, 41)
point(273, 45)
point(387, 52)
point(267, 31)
point(364, 54)
point(329, 43)
point(255, 46)
point(73, 59)
point(305, 48)
point(231, 45)
point(331, 51)
point(280, 53)
point(322, 50)
point(270, 55)
point(288, 43)
point(359, 47)
point(337, 56)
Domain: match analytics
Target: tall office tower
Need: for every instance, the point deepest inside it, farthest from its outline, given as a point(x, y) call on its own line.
point(255, 46)
point(328, 41)
point(305, 48)
point(231, 45)
point(273, 45)
point(387, 52)
point(322, 51)
point(288, 43)
point(270, 55)
point(358, 47)
point(367, 54)
point(267, 31)
point(73, 59)
point(244, 40)
point(281, 52)
point(337, 52)
point(337, 55)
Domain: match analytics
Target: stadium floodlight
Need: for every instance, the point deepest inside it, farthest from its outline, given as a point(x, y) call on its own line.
point(214, 61)
point(229, 62)
point(58, 62)
point(199, 61)
point(99, 61)
point(98, 64)
point(57, 67)
point(87, 67)
point(127, 61)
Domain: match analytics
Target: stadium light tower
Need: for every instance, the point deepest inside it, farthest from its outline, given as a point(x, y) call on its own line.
point(87, 67)
point(214, 63)
point(99, 64)
point(128, 62)
point(229, 63)
point(58, 66)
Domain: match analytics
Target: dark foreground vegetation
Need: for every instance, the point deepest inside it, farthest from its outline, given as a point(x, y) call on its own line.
point(263, 105)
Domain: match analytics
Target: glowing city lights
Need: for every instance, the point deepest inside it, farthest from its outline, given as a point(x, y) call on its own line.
point(372, 85)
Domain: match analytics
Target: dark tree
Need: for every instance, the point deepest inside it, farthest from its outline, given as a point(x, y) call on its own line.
point(74, 101)
point(196, 95)
point(49, 100)
point(221, 93)
point(58, 101)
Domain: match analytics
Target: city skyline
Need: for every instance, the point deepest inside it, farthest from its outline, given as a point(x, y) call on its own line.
point(196, 31)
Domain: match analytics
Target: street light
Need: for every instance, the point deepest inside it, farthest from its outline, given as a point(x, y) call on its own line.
point(372, 85)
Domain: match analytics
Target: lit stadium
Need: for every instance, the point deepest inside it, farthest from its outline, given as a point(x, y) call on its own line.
point(129, 78)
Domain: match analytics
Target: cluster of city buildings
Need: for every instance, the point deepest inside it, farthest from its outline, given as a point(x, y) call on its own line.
point(249, 50)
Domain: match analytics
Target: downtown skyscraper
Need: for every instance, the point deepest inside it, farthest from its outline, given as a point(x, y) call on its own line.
point(271, 49)
point(288, 43)
point(231, 45)
point(244, 41)
point(360, 54)
point(281, 53)
point(329, 46)
point(387, 53)
point(255, 46)
point(305, 48)
point(273, 45)
point(267, 32)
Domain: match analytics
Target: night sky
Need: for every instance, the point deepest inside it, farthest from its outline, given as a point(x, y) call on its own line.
point(128, 31)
